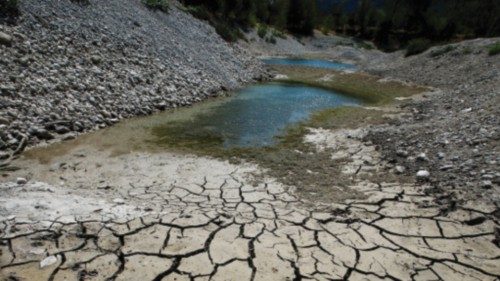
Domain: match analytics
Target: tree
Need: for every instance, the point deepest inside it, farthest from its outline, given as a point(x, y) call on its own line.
point(262, 10)
point(363, 14)
point(278, 13)
point(302, 16)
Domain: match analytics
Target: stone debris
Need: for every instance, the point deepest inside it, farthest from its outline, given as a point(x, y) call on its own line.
point(423, 174)
point(5, 39)
point(48, 261)
point(21, 181)
point(453, 133)
point(119, 201)
point(68, 68)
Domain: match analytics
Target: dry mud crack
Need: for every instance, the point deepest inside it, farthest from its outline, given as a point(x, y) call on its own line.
point(172, 217)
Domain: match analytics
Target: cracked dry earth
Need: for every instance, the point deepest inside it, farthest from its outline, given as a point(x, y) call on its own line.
point(143, 216)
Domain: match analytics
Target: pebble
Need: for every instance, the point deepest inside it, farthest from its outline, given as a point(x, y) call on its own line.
point(423, 174)
point(487, 184)
point(4, 155)
point(21, 181)
point(399, 169)
point(402, 153)
point(422, 157)
point(446, 167)
point(48, 261)
point(118, 201)
point(69, 136)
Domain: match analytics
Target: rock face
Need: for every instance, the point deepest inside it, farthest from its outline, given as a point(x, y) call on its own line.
point(69, 67)
point(454, 135)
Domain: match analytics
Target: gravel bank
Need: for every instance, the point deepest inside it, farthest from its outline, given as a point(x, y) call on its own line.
point(69, 68)
point(454, 136)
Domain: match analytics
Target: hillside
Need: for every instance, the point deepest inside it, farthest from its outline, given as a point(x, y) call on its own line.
point(69, 67)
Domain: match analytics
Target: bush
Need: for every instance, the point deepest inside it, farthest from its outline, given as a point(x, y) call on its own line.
point(226, 32)
point(262, 31)
point(494, 49)
point(417, 46)
point(271, 40)
point(161, 5)
point(442, 51)
point(279, 34)
point(364, 45)
point(467, 51)
point(199, 12)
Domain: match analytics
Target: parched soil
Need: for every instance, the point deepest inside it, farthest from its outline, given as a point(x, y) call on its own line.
point(145, 216)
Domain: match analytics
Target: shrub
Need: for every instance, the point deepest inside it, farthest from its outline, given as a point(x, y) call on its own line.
point(226, 32)
point(279, 34)
point(262, 31)
point(442, 51)
point(364, 45)
point(494, 49)
point(467, 51)
point(271, 40)
point(417, 46)
point(325, 30)
point(199, 12)
point(161, 5)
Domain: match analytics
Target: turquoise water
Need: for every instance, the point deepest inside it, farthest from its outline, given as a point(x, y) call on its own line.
point(310, 63)
point(254, 116)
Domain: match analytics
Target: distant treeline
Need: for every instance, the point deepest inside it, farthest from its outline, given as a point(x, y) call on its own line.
point(228, 16)
point(390, 24)
point(393, 23)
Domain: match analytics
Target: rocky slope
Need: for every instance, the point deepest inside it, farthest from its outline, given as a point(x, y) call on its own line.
point(70, 67)
point(331, 47)
point(454, 135)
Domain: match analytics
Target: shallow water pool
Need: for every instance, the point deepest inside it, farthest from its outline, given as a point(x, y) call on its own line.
point(253, 117)
point(310, 63)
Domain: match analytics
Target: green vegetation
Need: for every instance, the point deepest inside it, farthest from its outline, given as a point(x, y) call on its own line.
point(269, 34)
point(364, 45)
point(392, 24)
point(494, 49)
point(467, 51)
point(442, 51)
point(290, 160)
point(417, 46)
point(279, 34)
point(161, 5)
point(359, 85)
point(230, 16)
point(262, 31)
point(271, 40)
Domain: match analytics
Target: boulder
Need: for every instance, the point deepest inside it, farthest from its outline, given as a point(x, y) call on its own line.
point(5, 39)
